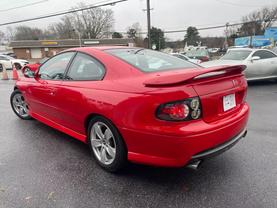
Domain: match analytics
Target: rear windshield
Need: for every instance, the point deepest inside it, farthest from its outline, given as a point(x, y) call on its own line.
point(236, 55)
point(150, 61)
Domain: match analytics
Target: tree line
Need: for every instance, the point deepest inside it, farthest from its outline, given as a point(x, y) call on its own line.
point(98, 23)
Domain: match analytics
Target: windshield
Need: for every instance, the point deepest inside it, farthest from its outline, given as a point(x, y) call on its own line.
point(8, 57)
point(236, 55)
point(197, 53)
point(150, 61)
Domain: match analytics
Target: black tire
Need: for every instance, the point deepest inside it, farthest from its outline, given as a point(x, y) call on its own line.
point(14, 93)
point(17, 66)
point(25, 70)
point(1, 68)
point(120, 159)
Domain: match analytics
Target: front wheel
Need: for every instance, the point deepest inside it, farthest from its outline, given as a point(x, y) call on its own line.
point(19, 105)
point(106, 144)
point(17, 66)
point(26, 70)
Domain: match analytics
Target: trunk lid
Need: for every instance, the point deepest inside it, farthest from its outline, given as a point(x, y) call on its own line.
point(213, 92)
point(211, 85)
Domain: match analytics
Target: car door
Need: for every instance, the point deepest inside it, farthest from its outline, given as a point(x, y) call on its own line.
point(266, 66)
point(44, 91)
point(83, 76)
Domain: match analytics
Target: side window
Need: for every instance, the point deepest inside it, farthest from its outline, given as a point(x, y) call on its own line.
point(3, 58)
point(55, 67)
point(85, 67)
point(264, 54)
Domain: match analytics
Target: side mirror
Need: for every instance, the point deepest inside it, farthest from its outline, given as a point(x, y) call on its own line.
point(255, 58)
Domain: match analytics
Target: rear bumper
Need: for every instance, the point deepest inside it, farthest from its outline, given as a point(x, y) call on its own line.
point(186, 143)
point(220, 148)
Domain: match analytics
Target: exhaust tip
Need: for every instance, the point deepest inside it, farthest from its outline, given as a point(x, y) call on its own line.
point(195, 165)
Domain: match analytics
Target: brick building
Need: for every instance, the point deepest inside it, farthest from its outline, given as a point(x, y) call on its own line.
point(37, 49)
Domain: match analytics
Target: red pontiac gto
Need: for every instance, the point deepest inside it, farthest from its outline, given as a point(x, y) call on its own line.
point(138, 105)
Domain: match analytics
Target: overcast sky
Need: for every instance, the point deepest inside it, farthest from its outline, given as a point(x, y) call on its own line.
point(166, 14)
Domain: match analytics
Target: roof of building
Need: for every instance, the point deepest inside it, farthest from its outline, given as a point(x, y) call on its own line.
point(70, 43)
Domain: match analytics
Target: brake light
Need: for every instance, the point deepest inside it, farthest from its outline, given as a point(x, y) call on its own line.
point(204, 58)
point(189, 109)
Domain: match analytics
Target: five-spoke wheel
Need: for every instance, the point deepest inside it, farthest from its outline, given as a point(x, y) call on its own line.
point(103, 143)
point(106, 144)
point(19, 105)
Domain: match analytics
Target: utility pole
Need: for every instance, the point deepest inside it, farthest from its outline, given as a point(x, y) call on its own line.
point(226, 35)
point(80, 41)
point(148, 23)
point(79, 36)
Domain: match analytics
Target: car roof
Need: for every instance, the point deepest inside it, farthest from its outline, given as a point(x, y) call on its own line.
point(252, 50)
point(102, 48)
point(247, 49)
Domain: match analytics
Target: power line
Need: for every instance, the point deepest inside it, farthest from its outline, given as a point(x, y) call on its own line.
point(211, 27)
point(22, 6)
point(57, 12)
point(238, 4)
point(63, 13)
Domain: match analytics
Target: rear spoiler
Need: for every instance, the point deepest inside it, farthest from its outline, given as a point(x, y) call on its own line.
point(188, 75)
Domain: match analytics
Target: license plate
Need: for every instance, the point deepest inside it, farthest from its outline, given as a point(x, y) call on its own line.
point(229, 102)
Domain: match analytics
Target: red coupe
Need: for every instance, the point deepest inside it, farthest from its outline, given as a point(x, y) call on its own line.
point(138, 105)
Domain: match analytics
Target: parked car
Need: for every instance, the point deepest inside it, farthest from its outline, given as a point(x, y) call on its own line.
point(260, 64)
point(10, 54)
point(33, 67)
point(198, 53)
point(184, 57)
point(1, 66)
point(5, 62)
point(137, 104)
point(214, 50)
point(10, 61)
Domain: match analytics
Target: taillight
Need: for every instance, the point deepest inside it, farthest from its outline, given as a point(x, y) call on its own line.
point(189, 109)
point(204, 58)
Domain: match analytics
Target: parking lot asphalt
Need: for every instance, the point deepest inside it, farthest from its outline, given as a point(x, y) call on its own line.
point(41, 167)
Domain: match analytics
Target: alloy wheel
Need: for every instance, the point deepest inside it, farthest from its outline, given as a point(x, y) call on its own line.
point(20, 105)
point(103, 143)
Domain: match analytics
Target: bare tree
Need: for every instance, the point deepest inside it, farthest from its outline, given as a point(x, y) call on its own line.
point(64, 29)
point(92, 23)
point(256, 22)
point(134, 31)
point(28, 33)
point(10, 33)
point(2, 36)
